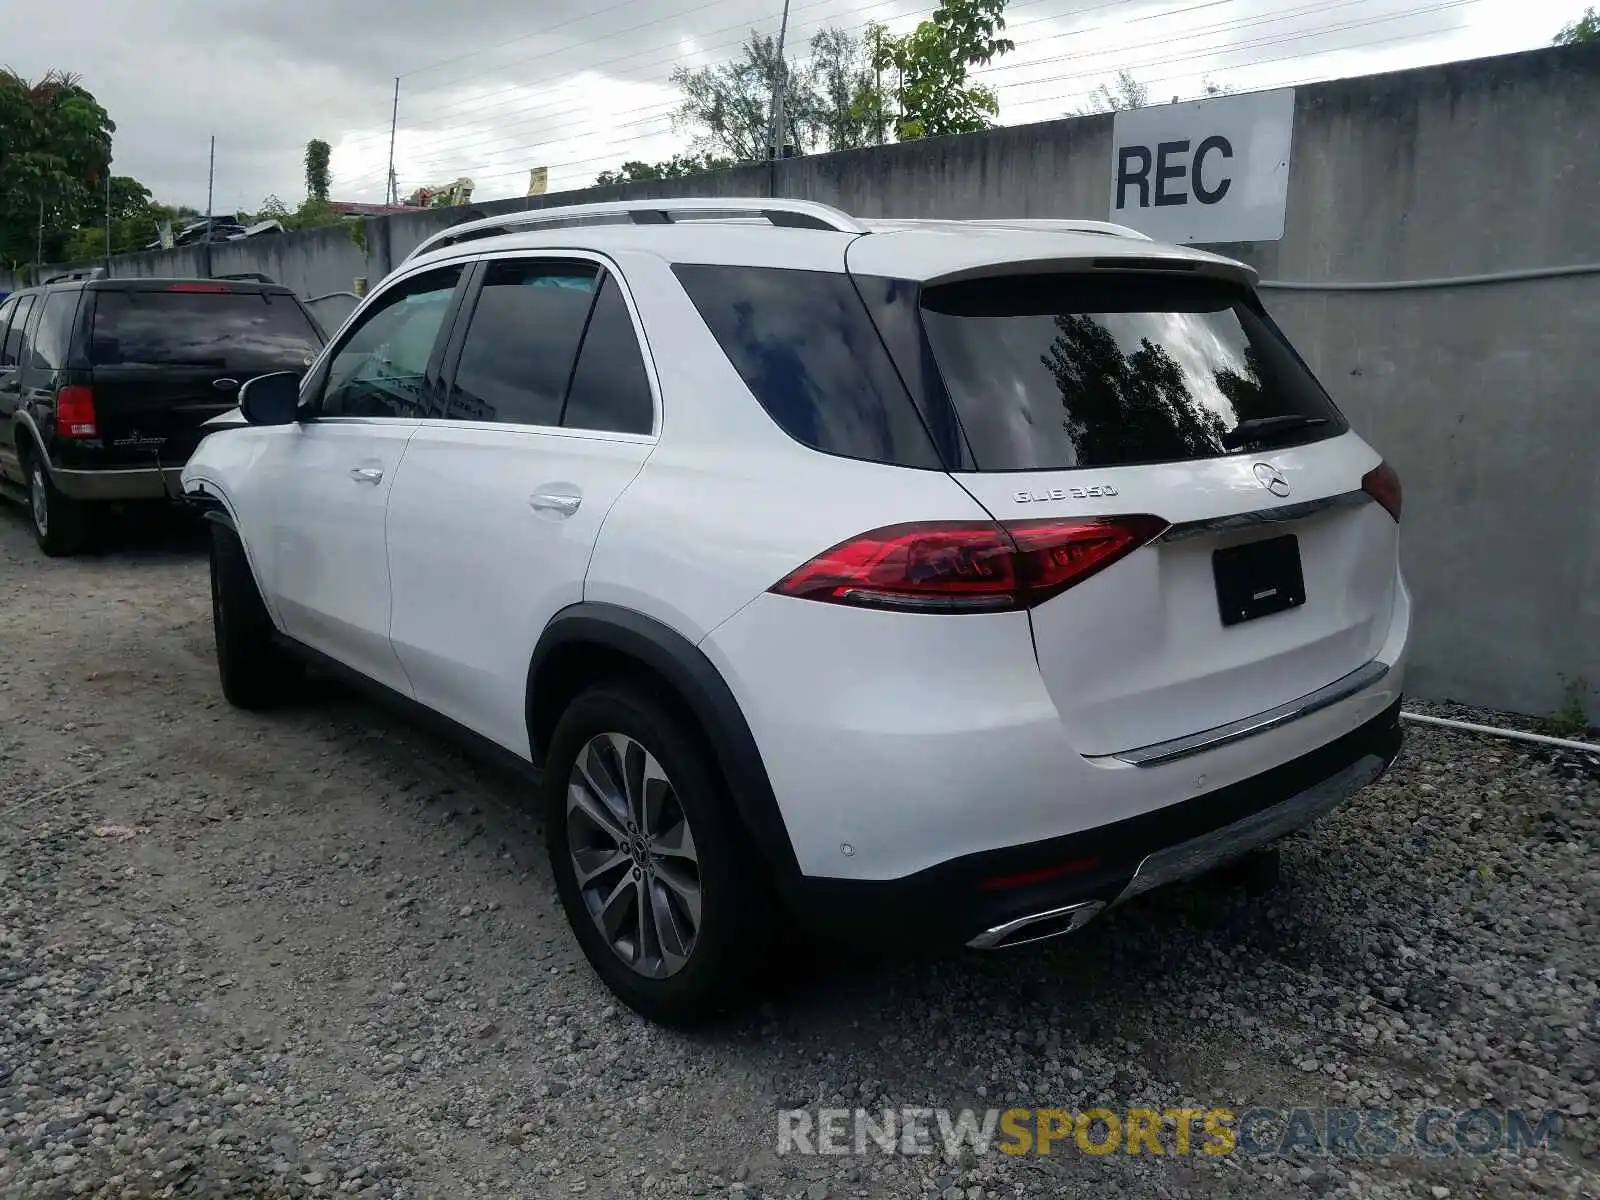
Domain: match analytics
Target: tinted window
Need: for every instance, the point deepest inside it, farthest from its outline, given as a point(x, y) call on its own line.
point(10, 353)
point(610, 390)
point(804, 345)
point(5, 319)
point(1078, 371)
point(54, 334)
point(381, 370)
point(520, 347)
point(240, 333)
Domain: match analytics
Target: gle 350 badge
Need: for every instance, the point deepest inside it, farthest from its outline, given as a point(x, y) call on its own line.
point(1071, 493)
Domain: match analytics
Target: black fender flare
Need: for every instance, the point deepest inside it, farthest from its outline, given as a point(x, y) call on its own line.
point(685, 667)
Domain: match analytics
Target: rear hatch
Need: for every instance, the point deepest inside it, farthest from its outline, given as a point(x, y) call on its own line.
point(1114, 393)
point(168, 357)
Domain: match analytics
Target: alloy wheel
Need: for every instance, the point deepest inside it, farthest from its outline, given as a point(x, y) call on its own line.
point(633, 855)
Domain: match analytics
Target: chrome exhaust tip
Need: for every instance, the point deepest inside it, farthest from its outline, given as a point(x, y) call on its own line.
point(1036, 927)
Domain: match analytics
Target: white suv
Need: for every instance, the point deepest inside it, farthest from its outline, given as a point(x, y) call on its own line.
point(936, 581)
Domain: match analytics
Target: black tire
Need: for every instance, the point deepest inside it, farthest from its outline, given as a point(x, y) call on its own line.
point(60, 524)
point(736, 910)
point(256, 672)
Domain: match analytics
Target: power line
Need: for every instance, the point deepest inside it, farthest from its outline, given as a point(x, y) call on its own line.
point(473, 137)
point(455, 149)
point(569, 72)
point(612, 154)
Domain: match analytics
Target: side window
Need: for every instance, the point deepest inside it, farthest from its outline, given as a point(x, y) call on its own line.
point(518, 355)
point(51, 338)
point(11, 353)
point(610, 390)
point(5, 319)
point(381, 370)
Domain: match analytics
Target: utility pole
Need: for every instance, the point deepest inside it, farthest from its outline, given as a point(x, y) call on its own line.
point(391, 190)
point(108, 216)
point(211, 179)
point(779, 86)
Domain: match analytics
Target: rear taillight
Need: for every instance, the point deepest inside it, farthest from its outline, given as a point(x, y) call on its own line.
point(1383, 485)
point(192, 286)
point(75, 413)
point(967, 566)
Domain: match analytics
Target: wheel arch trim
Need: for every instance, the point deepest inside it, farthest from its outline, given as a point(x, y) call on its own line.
point(684, 666)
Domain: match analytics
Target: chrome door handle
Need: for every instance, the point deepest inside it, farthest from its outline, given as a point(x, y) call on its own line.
point(560, 503)
point(367, 474)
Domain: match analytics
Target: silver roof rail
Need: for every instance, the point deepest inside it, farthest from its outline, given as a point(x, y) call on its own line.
point(793, 214)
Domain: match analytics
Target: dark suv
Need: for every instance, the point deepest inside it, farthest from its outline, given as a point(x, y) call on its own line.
point(105, 384)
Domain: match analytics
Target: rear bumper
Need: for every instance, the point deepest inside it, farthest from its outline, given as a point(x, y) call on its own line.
point(973, 900)
point(137, 483)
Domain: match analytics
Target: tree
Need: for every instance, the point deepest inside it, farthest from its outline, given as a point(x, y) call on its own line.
point(134, 221)
point(676, 167)
point(730, 105)
point(272, 209)
point(55, 150)
point(1127, 93)
point(932, 64)
point(1585, 29)
point(317, 178)
point(845, 106)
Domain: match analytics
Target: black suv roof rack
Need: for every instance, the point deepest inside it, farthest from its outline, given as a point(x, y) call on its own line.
point(81, 273)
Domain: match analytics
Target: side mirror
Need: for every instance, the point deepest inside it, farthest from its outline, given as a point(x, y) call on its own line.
point(271, 399)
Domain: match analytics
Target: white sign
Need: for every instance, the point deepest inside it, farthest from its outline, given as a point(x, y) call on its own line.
point(1212, 170)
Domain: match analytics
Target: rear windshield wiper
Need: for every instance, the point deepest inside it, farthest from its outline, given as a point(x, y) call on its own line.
point(1259, 429)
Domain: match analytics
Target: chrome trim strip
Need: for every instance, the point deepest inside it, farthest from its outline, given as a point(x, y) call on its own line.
point(1080, 914)
point(1220, 735)
point(1195, 857)
point(1264, 516)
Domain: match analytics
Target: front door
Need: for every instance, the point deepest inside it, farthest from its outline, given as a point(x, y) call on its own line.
point(326, 481)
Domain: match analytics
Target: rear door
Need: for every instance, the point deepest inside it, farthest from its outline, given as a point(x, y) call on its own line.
point(1115, 393)
point(168, 357)
point(548, 415)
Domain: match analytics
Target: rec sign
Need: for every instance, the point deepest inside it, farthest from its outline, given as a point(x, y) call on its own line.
point(1208, 171)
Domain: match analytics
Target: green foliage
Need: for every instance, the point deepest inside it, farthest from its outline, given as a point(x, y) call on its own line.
point(676, 167)
point(317, 178)
point(135, 220)
point(1585, 29)
point(844, 107)
point(730, 105)
point(832, 101)
point(313, 214)
point(272, 209)
point(1571, 720)
point(55, 150)
point(933, 62)
point(1126, 93)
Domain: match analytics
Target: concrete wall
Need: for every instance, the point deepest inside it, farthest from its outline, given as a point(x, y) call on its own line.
point(1484, 398)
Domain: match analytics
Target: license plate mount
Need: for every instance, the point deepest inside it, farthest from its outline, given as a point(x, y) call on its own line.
point(1258, 579)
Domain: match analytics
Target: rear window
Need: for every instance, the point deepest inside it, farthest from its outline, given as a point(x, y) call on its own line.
point(242, 333)
point(805, 347)
point(1053, 372)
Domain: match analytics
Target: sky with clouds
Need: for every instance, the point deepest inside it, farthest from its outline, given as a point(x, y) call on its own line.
point(490, 88)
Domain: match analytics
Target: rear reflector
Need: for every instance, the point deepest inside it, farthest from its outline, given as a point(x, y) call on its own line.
point(967, 566)
point(197, 287)
point(75, 413)
point(1000, 883)
point(1383, 485)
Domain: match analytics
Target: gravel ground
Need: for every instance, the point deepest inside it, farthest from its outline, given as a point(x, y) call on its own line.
point(318, 953)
